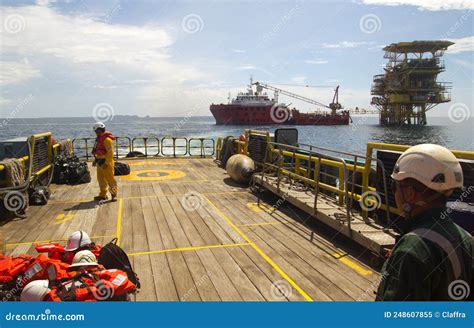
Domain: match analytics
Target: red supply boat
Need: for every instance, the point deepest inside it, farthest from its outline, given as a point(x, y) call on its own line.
point(256, 108)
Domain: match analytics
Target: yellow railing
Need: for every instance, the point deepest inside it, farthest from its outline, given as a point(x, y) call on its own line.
point(315, 160)
point(30, 171)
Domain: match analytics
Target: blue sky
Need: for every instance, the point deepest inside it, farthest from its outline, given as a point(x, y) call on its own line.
point(174, 58)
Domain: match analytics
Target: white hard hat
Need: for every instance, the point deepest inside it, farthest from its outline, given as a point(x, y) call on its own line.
point(432, 165)
point(35, 291)
point(76, 240)
point(98, 125)
point(84, 258)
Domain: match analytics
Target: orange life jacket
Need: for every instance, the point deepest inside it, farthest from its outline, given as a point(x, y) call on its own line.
point(38, 269)
point(18, 271)
point(56, 251)
point(12, 266)
point(99, 146)
point(92, 286)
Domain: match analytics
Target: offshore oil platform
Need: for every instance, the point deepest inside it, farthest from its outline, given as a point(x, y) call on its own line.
point(409, 86)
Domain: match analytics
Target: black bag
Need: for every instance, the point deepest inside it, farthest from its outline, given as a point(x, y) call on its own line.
point(39, 195)
point(70, 170)
point(121, 169)
point(113, 257)
point(79, 173)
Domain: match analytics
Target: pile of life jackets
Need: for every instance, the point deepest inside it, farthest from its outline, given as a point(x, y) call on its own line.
point(17, 271)
point(93, 283)
point(57, 251)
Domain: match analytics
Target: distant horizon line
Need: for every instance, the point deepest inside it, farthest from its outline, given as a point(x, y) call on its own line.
point(148, 116)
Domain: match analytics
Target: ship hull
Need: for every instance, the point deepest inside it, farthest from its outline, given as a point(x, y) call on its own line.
point(229, 114)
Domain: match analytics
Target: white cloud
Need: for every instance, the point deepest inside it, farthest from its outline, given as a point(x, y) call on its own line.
point(254, 68)
point(239, 51)
point(343, 44)
point(317, 61)
point(247, 67)
point(300, 79)
point(461, 45)
point(463, 63)
point(433, 5)
point(13, 72)
point(91, 45)
point(4, 101)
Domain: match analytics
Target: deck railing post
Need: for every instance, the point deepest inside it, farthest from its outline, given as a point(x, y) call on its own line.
point(279, 168)
point(174, 147)
point(354, 171)
point(203, 149)
point(387, 210)
point(293, 166)
point(346, 195)
point(87, 151)
point(316, 187)
point(146, 147)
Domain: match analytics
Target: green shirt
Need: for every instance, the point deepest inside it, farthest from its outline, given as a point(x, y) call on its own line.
point(420, 269)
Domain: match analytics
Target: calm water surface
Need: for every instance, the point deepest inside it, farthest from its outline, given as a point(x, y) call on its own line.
point(352, 138)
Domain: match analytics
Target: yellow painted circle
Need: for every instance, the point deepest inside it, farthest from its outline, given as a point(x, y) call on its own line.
point(154, 175)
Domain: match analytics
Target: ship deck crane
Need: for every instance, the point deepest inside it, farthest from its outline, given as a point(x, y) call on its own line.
point(333, 106)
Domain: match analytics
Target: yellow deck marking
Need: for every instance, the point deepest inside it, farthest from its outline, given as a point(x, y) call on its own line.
point(260, 208)
point(144, 163)
point(154, 175)
point(119, 221)
point(48, 241)
point(194, 248)
point(261, 224)
point(60, 218)
point(351, 264)
point(259, 251)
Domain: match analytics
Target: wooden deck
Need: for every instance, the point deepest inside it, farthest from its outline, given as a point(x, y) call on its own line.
point(193, 235)
point(365, 232)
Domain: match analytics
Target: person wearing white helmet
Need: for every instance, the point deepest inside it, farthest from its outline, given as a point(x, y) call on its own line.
point(433, 257)
point(83, 259)
point(35, 291)
point(103, 152)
